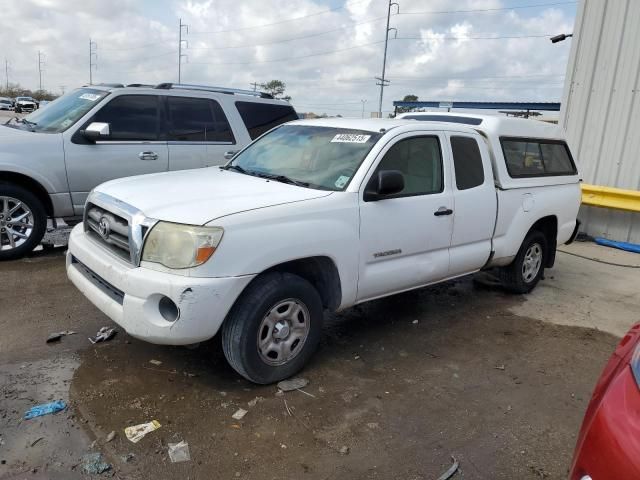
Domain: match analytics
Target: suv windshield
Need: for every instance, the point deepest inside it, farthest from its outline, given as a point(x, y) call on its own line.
point(318, 157)
point(65, 111)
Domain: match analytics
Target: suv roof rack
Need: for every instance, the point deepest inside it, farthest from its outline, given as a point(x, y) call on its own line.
point(140, 85)
point(208, 88)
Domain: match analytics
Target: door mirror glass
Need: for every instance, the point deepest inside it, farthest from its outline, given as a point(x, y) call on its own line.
point(383, 184)
point(97, 131)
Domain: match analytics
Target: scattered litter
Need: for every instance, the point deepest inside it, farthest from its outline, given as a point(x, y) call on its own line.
point(286, 407)
point(450, 472)
point(36, 441)
point(240, 413)
point(283, 446)
point(357, 357)
point(344, 450)
point(93, 464)
point(110, 437)
point(254, 402)
point(155, 362)
point(236, 426)
point(293, 384)
point(179, 452)
point(415, 322)
point(373, 425)
point(128, 457)
point(499, 367)
point(306, 393)
point(45, 409)
point(136, 432)
point(103, 335)
point(55, 337)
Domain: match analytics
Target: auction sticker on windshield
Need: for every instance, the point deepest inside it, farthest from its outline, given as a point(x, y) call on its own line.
point(90, 96)
point(350, 138)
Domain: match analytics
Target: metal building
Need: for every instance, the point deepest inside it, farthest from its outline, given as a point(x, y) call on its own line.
point(601, 108)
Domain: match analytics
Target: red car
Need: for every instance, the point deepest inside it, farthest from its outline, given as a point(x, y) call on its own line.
point(609, 442)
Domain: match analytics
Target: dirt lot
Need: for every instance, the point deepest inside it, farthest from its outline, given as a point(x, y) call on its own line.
point(483, 376)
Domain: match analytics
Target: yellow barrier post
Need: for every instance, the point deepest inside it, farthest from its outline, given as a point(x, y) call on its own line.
point(609, 197)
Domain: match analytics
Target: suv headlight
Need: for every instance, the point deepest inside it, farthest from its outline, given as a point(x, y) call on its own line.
point(180, 246)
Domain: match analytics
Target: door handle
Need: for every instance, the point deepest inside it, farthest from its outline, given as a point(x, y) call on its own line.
point(148, 156)
point(229, 155)
point(443, 211)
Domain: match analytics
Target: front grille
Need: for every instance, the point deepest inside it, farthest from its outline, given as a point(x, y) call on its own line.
point(114, 293)
point(108, 229)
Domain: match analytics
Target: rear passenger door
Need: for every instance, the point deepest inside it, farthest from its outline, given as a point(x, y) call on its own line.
point(198, 133)
point(475, 203)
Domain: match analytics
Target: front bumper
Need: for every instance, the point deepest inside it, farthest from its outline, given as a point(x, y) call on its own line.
point(131, 295)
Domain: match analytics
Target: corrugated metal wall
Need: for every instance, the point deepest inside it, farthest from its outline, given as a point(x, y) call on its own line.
point(601, 108)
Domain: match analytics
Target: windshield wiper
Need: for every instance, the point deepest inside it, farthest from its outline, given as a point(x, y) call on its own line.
point(237, 168)
point(280, 178)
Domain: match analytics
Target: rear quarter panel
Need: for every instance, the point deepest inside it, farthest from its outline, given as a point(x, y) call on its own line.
point(520, 208)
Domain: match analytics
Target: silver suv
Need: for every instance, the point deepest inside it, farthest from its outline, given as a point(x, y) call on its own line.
point(51, 159)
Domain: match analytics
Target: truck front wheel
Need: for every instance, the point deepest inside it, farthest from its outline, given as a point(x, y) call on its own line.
point(23, 221)
point(526, 270)
point(274, 328)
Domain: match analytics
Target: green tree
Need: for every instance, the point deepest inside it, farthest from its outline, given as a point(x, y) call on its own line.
point(407, 98)
point(276, 88)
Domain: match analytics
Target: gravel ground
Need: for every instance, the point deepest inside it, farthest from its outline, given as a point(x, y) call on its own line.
point(483, 376)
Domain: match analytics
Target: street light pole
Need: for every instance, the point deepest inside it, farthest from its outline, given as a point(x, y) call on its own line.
point(363, 102)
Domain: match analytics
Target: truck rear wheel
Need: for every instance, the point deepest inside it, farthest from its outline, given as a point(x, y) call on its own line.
point(274, 328)
point(527, 268)
point(23, 221)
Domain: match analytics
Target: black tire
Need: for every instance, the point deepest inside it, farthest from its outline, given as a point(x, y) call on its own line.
point(241, 328)
point(513, 277)
point(39, 221)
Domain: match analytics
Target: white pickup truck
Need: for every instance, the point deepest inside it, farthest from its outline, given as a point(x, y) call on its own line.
point(322, 215)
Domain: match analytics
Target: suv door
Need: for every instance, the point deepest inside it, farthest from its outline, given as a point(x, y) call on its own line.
point(405, 237)
point(135, 146)
point(198, 133)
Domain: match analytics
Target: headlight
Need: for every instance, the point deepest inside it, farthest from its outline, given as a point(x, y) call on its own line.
point(180, 246)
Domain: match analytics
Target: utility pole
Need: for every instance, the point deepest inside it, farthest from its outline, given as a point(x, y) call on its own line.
point(62, 88)
point(180, 54)
point(254, 85)
point(6, 71)
point(363, 102)
point(382, 81)
point(40, 62)
point(93, 54)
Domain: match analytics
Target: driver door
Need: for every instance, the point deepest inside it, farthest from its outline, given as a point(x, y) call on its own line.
point(405, 237)
point(134, 147)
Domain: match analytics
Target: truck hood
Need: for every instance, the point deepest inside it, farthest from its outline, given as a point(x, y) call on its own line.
point(198, 196)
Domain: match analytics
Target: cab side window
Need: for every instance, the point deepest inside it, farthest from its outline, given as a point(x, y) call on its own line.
point(467, 162)
point(419, 159)
point(131, 117)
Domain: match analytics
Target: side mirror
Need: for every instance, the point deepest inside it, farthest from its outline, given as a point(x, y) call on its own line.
point(97, 131)
point(384, 183)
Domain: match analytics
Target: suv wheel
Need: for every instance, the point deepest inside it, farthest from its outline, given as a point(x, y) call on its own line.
point(527, 268)
point(23, 221)
point(274, 328)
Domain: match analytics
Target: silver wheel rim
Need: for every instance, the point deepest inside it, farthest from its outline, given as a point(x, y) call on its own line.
point(283, 332)
point(532, 262)
point(16, 223)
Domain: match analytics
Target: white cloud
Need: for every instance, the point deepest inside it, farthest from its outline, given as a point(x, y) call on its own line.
point(137, 42)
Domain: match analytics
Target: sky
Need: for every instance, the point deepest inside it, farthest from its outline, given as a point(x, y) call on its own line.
point(327, 52)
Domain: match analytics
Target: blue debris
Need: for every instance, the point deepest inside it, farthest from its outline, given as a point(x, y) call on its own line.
point(93, 464)
point(45, 409)
point(628, 247)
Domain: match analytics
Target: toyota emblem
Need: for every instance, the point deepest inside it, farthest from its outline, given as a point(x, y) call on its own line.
point(104, 229)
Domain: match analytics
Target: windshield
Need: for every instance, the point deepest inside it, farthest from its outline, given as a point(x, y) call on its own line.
point(319, 157)
point(65, 111)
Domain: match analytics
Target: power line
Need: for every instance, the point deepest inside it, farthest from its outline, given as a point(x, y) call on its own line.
point(290, 58)
point(275, 42)
point(474, 38)
point(486, 10)
point(346, 5)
